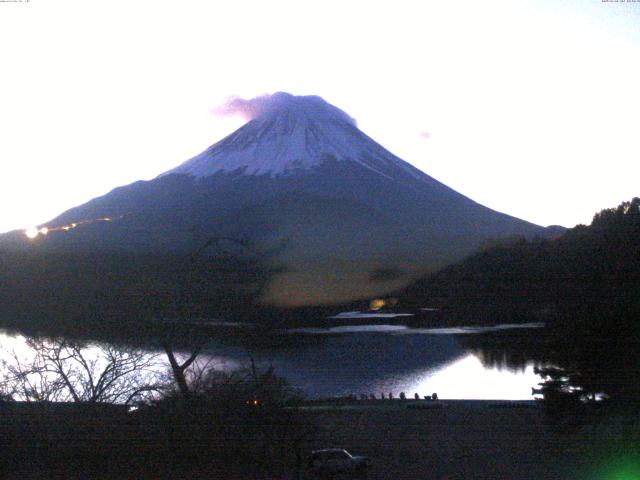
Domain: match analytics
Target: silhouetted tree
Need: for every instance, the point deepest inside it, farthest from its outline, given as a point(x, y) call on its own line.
point(63, 370)
point(179, 370)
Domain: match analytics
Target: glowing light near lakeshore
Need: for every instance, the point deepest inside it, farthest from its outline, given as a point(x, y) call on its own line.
point(377, 304)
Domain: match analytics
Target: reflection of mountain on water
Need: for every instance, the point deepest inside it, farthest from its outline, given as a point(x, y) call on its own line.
point(344, 364)
point(354, 359)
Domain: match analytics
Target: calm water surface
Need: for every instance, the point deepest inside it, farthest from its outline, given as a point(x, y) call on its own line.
point(375, 359)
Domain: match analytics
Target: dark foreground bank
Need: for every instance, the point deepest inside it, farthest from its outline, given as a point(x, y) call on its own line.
point(403, 439)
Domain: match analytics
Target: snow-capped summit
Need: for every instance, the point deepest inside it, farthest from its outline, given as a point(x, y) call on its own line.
point(340, 216)
point(293, 134)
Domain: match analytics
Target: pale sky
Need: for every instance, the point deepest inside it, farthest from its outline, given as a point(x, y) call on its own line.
point(528, 107)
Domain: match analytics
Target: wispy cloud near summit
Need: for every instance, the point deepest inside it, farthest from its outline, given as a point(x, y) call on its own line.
point(246, 108)
point(311, 105)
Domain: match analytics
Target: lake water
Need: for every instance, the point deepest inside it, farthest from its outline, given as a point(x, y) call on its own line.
point(376, 359)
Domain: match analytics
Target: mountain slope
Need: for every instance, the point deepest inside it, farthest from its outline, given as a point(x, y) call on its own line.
point(332, 206)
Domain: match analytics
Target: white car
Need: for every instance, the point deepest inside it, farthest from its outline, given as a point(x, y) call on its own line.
point(334, 461)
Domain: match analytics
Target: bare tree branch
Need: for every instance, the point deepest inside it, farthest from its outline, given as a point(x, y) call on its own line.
point(178, 370)
point(61, 370)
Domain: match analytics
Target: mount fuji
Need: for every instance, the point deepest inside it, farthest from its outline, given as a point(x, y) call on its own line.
point(343, 218)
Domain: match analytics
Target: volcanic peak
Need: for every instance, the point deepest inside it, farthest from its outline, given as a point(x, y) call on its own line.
point(291, 135)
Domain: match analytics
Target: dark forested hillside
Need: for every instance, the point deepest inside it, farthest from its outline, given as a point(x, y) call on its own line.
point(585, 285)
point(586, 267)
point(95, 294)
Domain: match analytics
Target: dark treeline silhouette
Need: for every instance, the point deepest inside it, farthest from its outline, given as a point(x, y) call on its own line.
point(585, 285)
point(511, 350)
